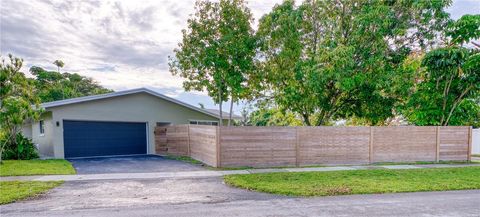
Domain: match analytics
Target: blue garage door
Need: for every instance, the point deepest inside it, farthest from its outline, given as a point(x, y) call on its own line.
point(95, 138)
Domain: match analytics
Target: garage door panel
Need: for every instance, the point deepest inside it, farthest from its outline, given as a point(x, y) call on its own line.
point(92, 138)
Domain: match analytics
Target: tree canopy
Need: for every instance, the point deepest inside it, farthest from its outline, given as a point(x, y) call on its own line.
point(326, 60)
point(448, 91)
point(18, 103)
point(365, 62)
point(217, 50)
point(52, 85)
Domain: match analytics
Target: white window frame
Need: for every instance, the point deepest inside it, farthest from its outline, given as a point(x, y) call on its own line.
point(41, 127)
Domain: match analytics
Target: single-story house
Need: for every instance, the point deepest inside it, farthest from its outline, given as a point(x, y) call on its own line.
point(118, 123)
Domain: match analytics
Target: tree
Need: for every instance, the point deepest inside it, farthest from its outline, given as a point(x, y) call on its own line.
point(448, 92)
point(464, 30)
point(59, 64)
point(52, 85)
point(451, 82)
point(280, 47)
point(272, 116)
point(328, 60)
point(217, 50)
point(17, 101)
point(265, 113)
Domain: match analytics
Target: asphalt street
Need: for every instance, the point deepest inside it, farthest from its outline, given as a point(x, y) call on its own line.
point(181, 189)
point(210, 197)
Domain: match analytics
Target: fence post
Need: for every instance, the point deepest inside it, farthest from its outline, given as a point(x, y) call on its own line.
point(370, 146)
point(437, 149)
point(470, 135)
point(297, 161)
point(218, 148)
point(188, 140)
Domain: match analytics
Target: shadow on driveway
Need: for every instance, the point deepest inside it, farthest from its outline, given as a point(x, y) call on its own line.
point(131, 164)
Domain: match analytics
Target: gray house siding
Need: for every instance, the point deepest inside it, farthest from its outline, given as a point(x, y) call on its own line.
point(44, 141)
point(137, 107)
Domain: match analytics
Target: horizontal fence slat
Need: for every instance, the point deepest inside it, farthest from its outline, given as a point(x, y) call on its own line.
point(291, 146)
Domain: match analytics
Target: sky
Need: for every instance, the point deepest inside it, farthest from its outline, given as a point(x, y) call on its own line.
point(121, 44)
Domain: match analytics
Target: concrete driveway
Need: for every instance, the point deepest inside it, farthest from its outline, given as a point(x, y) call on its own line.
point(131, 164)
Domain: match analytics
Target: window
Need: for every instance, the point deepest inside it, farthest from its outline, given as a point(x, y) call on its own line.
point(198, 122)
point(163, 124)
point(42, 127)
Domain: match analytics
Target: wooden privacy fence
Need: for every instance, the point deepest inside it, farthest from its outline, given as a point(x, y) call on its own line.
point(196, 141)
point(301, 146)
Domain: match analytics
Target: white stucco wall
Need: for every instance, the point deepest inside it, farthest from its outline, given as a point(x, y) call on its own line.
point(476, 141)
point(27, 130)
point(44, 141)
point(139, 107)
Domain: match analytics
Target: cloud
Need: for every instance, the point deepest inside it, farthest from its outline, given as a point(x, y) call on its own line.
point(121, 44)
point(462, 7)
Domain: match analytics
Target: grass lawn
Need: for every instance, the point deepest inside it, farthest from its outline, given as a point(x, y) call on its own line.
point(35, 167)
point(185, 159)
point(190, 160)
point(17, 190)
point(423, 163)
point(359, 182)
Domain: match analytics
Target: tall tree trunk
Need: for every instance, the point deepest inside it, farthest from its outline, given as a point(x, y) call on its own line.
point(61, 84)
point(2, 147)
point(446, 90)
point(1, 153)
point(220, 106)
point(306, 119)
point(320, 122)
point(455, 104)
point(231, 111)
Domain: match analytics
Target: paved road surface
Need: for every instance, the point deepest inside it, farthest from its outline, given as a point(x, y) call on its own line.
point(210, 197)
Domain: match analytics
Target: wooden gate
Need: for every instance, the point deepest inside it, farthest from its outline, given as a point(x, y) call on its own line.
point(161, 140)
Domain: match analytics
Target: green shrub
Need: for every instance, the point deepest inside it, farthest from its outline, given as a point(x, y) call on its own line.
point(23, 149)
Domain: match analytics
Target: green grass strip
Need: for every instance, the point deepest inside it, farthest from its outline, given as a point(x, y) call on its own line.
point(36, 167)
point(359, 181)
point(12, 191)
